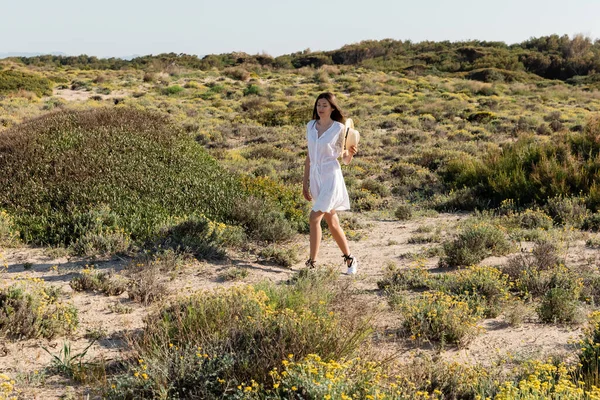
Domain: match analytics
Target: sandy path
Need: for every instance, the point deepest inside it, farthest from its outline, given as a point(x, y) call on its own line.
point(382, 242)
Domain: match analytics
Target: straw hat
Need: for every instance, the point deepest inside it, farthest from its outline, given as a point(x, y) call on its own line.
point(352, 136)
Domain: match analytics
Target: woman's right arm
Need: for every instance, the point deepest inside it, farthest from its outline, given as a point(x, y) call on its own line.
point(305, 184)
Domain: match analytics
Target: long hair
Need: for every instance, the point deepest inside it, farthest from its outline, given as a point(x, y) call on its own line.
point(336, 114)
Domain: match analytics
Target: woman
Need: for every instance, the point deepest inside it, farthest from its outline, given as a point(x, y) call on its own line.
point(323, 181)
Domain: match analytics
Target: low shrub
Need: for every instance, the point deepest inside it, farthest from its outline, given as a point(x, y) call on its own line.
point(546, 381)
point(280, 256)
point(532, 219)
point(200, 236)
point(237, 73)
point(589, 354)
point(416, 277)
point(403, 212)
point(276, 197)
point(173, 90)
point(12, 81)
point(98, 281)
point(484, 288)
point(103, 243)
point(206, 345)
point(234, 274)
point(567, 210)
point(591, 222)
point(558, 305)
point(262, 222)
point(315, 378)
point(8, 235)
point(107, 158)
point(32, 309)
point(439, 317)
point(473, 244)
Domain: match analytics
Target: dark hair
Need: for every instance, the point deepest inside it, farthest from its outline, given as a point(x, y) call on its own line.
point(336, 114)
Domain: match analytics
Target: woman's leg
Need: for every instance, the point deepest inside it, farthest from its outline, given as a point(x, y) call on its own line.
point(315, 233)
point(337, 232)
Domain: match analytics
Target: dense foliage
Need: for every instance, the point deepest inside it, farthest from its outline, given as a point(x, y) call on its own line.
point(550, 57)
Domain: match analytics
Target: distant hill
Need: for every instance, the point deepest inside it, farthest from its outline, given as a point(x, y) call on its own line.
point(548, 57)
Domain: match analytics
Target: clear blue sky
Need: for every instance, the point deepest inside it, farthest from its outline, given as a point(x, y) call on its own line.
point(125, 27)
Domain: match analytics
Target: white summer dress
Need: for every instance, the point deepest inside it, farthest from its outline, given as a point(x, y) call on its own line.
point(327, 185)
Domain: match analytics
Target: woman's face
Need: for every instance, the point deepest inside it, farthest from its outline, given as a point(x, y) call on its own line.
point(324, 109)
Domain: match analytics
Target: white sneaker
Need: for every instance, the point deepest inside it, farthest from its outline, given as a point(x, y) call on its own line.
point(353, 267)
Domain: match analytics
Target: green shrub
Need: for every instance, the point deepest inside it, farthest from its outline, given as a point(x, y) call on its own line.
point(59, 168)
point(482, 287)
point(410, 278)
point(567, 210)
point(533, 219)
point(12, 81)
point(252, 89)
point(589, 354)
point(439, 317)
point(558, 305)
point(473, 244)
point(277, 196)
point(235, 335)
point(403, 212)
point(173, 90)
point(591, 223)
point(104, 243)
point(34, 310)
point(234, 274)
point(280, 256)
point(374, 186)
point(98, 281)
point(199, 236)
point(8, 235)
point(536, 273)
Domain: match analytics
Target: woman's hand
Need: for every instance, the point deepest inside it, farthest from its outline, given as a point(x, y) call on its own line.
point(353, 150)
point(306, 192)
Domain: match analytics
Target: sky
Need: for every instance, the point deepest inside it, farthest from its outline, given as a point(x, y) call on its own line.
point(121, 28)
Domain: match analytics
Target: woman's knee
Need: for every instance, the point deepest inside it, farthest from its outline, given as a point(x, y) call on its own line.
point(315, 218)
point(332, 221)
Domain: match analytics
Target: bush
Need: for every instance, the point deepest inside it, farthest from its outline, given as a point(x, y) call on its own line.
point(61, 168)
point(533, 219)
point(98, 281)
point(234, 336)
point(34, 310)
point(173, 90)
point(276, 196)
point(8, 235)
point(545, 381)
point(567, 210)
point(104, 243)
point(199, 236)
point(403, 212)
point(482, 287)
point(252, 89)
point(536, 273)
point(591, 223)
point(589, 354)
point(314, 378)
point(13, 81)
point(473, 244)
point(558, 305)
point(283, 257)
point(237, 73)
point(410, 278)
point(439, 317)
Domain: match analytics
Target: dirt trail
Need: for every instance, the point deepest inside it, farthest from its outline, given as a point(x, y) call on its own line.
point(381, 242)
